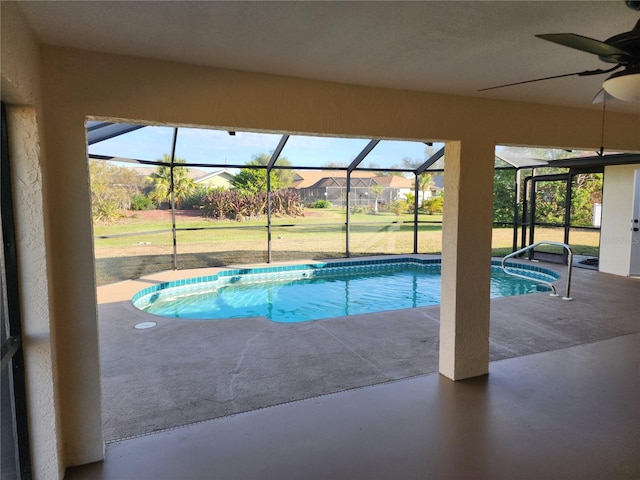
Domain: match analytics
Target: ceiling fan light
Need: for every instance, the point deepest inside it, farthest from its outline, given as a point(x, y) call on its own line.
point(624, 85)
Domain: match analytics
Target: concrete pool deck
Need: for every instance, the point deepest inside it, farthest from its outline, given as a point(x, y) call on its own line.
point(186, 371)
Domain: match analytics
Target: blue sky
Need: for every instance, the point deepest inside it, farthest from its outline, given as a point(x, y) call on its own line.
point(213, 146)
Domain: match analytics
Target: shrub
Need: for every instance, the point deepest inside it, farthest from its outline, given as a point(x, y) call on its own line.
point(399, 206)
point(235, 204)
point(105, 211)
point(196, 199)
point(433, 206)
point(322, 204)
point(410, 198)
point(141, 202)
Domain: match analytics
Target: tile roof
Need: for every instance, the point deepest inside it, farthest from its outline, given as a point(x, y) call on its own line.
point(308, 178)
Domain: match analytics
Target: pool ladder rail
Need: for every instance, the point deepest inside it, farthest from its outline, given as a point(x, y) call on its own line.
point(550, 285)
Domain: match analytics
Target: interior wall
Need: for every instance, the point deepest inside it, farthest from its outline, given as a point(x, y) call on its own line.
point(617, 212)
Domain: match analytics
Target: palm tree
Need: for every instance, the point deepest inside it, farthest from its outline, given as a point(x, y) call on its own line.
point(425, 182)
point(183, 185)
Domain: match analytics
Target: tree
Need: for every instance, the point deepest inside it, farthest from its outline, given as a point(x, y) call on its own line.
point(425, 182)
point(285, 175)
point(503, 193)
point(254, 180)
point(335, 165)
point(412, 163)
point(550, 200)
point(586, 192)
point(112, 188)
point(550, 195)
point(376, 190)
point(373, 165)
point(392, 172)
point(183, 185)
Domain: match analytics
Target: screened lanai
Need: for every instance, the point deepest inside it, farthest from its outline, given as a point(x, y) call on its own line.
point(174, 198)
point(344, 191)
point(555, 196)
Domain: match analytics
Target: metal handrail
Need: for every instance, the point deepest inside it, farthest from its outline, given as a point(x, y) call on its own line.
point(553, 288)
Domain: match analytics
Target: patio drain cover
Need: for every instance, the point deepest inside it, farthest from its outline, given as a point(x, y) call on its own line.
point(143, 325)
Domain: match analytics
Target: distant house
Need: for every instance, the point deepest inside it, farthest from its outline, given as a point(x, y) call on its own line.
point(314, 185)
point(396, 187)
point(218, 178)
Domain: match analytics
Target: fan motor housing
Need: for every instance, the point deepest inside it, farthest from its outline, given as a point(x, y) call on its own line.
point(630, 43)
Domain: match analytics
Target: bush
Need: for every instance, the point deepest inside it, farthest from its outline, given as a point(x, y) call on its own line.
point(399, 207)
point(322, 204)
point(410, 198)
point(141, 202)
point(238, 205)
point(105, 211)
point(433, 206)
point(196, 199)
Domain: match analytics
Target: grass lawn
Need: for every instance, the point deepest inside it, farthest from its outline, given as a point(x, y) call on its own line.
point(319, 234)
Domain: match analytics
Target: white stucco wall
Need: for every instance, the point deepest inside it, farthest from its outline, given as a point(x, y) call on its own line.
point(20, 76)
point(617, 210)
point(20, 79)
point(24, 152)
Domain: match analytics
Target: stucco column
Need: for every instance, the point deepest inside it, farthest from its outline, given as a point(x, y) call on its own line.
point(466, 259)
point(39, 349)
point(72, 286)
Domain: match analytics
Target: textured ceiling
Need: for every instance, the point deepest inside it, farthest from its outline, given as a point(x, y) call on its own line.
point(445, 47)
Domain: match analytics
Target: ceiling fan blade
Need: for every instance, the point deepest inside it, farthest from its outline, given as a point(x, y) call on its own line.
point(585, 73)
point(586, 44)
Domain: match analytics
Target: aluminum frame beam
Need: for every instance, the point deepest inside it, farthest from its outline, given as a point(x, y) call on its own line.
point(433, 159)
point(277, 152)
point(101, 131)
point(361, 156)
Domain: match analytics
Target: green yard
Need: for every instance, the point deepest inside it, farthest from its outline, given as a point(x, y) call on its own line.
point(319, 234)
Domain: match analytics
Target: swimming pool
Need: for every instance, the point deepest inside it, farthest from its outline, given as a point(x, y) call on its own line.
point(298, 293)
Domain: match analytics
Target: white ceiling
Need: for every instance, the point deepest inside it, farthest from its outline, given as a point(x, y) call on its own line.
point(445, 47)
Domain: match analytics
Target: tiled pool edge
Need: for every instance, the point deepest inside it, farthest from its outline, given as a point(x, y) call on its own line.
point(232, 272)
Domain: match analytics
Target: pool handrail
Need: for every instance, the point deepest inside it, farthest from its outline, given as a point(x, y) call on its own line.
point(553, 288)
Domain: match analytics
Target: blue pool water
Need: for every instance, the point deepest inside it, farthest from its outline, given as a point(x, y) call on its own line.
point(299, 293)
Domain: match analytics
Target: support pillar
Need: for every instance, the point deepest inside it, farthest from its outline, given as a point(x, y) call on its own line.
point(466, 259)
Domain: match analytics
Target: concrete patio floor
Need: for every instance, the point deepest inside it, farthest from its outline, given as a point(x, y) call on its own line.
point(186, 371)
point(569, 414)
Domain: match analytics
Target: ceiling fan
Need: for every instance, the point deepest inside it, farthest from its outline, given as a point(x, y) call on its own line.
point(623, 50)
